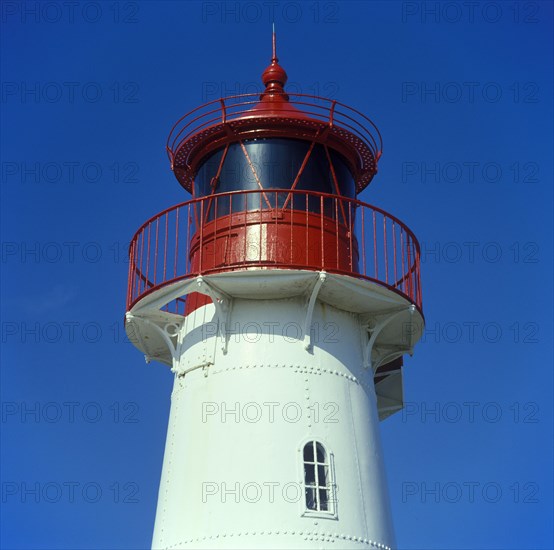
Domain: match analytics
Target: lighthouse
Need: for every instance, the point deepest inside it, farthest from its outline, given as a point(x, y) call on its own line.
point(283, 306)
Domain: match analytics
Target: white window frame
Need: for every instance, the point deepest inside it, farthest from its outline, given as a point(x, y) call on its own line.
point(330, 487)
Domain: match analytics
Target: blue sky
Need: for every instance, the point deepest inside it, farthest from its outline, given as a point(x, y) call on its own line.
point(463, 100)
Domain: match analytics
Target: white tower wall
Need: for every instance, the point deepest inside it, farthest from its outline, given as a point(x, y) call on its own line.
point(241, 413)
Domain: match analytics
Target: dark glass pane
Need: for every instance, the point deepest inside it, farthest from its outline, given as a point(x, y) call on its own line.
point(321, 455)
point(309, 474)
point(276, 162)
point(317, 175)
point(344, 177)
point(322, 475)
point(310, 499)
point(323, 499)
point(309, 452)
point(207, 171)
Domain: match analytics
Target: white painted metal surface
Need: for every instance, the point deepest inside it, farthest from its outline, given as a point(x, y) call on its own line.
point(253, 386)
point(233, 468)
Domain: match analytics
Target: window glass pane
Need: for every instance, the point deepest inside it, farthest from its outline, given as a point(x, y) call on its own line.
point(309, 452)
point(322, 476)
point(320, 453)
point(310, 498)
point(309, 474)
point(323, 499)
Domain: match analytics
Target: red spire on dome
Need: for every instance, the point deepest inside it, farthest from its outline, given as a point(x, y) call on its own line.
point(274, 77)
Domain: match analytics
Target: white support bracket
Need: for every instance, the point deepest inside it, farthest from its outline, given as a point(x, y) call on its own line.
point(376, 330)
point(164, 332)
point(390, 357)
point(411, 333)
point(223, 304)
point(310, 310)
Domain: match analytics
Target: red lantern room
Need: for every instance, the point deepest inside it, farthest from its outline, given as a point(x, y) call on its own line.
point(269, 173)
point(274, 179)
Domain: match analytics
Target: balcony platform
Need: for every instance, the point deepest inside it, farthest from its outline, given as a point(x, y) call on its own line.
point(149, 327)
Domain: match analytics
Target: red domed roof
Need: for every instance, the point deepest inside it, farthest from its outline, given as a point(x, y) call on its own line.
point(274, 113)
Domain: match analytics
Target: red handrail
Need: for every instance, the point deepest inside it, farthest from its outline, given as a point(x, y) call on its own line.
point(350, 244)
point(326, 111)
point(224, 120)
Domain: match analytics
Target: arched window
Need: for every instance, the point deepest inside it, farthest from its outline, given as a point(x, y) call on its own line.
point(318, 484)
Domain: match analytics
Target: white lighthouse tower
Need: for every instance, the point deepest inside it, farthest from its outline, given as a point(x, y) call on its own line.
point(283, 306)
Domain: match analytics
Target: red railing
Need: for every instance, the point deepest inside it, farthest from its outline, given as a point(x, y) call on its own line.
point(228, 109)
point(280, 229)
point(313, 117)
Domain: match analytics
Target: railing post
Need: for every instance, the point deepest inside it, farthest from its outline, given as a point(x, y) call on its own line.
point(140, 263)
point(228, 243)
point(364, 268)
point(156, 250)
point(131, 279)
point(148, 255)
point(321, 229)
point(201, 250)
point(402, 274)
point(171, 157)
point(385, 248)
point(375, 264)
point(176, 243)
point(410, 271)
point(260, 231)
point(337, 250)
point(332, 113)
point(395, 276)
point(418, 279)
point(165, 243)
